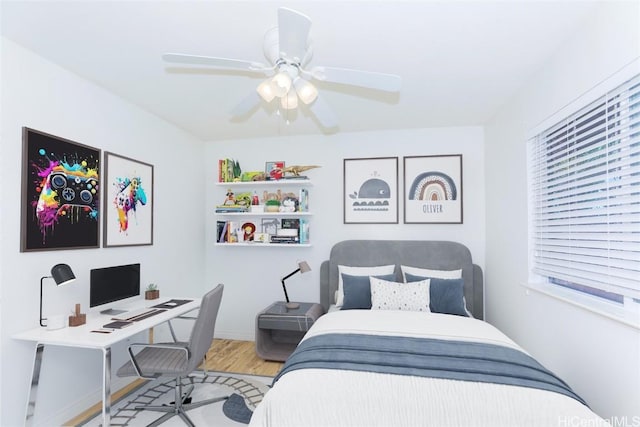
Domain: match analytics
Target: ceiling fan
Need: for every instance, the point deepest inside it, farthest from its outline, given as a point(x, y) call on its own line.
point(288, 49)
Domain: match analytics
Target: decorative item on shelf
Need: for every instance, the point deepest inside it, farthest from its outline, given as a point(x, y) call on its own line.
point(152, 292)
point(234, 204)
point(272, 205)
point(249, 230)
point(261, 237)
point(269, 225)
point(289, 204)
point(252, 176)
point(273, 170)
point(229, 170)
point(77, 318)
point(303, 267)
point(61, 274)
point(295, 171)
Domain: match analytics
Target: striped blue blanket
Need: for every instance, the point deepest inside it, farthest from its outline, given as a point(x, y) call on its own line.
point(457, 360)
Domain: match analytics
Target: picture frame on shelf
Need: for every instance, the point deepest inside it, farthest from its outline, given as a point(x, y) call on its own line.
point(269, 225)
point(128, 201)
point(433, 189)
point(273, 170)
point(60, 207)
point(371, 190)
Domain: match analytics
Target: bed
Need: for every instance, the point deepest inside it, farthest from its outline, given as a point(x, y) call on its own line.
point(390, 358)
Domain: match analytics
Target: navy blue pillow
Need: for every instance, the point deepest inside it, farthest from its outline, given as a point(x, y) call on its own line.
point(445, 295)
point(357, 290)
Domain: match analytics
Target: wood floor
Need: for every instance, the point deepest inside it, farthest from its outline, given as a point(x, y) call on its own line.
point(238, 357)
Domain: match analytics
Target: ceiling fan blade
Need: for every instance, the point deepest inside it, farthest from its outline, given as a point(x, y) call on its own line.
point(246, 105)
point(293, 34)
point(236, 64)
point(323, 113)
point(367, 79)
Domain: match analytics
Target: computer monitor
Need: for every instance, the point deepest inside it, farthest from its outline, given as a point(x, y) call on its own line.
point(112, 284)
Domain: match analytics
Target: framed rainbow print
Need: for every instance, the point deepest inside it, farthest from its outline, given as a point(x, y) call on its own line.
point(433, 189)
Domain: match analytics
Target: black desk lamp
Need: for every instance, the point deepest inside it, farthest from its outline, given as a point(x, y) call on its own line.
point(303, 267)
point(61, 274)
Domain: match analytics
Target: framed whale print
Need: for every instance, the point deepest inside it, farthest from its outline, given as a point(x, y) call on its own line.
point(433, 189)
point(371, 190)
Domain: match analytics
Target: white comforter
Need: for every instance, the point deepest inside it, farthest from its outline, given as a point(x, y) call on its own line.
point(325, 397)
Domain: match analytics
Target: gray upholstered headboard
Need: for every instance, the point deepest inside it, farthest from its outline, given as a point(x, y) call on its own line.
point(436, 255)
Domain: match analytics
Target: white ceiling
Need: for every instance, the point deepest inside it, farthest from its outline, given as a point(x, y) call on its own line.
point(459, 61)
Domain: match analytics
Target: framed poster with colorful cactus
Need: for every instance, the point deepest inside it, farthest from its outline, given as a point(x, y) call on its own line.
point(128, 201)
point(371, 190)
point(60, 205)
point(433, 189)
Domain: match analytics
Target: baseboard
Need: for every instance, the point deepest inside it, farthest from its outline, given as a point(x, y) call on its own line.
point(59, 418)
point(234, 335)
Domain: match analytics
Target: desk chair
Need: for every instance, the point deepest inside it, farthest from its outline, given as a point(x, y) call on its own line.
point(177, 360)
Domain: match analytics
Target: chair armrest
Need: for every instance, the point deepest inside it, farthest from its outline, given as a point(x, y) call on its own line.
point(183, 317)
point(134, 361)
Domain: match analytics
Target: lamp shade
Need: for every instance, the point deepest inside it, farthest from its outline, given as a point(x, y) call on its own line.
point(306, 91)
point(289, 101)
point(280, 84)
point(62, 274)
point(304, 267)
point(266, 91)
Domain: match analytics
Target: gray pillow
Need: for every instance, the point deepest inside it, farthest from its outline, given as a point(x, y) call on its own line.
point(446, 295)
point(357, 290)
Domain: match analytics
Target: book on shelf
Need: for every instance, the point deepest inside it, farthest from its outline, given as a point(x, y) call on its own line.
point(285, 239)
point(303, 200)
point(304, 230)
point(228, 170)
point(290, 223)
point(221, 235)
point(231, 208)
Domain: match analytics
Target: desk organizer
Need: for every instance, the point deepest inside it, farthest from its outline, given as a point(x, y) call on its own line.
point(78, 318)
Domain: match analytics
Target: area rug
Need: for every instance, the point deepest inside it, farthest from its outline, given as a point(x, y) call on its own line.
point(246, 391)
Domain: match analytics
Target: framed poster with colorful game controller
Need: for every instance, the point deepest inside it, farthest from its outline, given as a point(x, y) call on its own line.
point(60, 193)
point(128, 201)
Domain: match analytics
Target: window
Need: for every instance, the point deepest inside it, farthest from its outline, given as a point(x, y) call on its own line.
point(584, 189)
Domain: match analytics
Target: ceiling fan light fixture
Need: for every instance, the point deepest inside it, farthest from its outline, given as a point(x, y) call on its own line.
point(306, 91)
point(280, 84)
point(266, 91)
point(289, 101)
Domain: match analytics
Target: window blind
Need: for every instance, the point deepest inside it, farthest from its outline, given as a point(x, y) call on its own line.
point(584, 178)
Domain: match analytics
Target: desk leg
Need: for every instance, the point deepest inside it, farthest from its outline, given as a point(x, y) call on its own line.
point(106, 387)
point(33, 387)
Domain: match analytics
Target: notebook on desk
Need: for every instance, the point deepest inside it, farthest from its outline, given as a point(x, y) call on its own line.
point(172, 303)
point(118, 324)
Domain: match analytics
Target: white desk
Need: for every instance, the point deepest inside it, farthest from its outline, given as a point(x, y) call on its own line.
point(82, 337)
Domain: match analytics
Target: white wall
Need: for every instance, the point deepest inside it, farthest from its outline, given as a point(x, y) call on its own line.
point(252, 275)
point(600, 358)
point(40, 95)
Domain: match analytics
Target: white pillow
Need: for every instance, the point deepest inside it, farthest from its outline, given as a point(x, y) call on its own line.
point(387, 295)
point(359, 271)
point(425, 272)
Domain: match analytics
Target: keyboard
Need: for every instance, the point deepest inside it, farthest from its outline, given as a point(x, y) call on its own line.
point(133, 314)
point(149, 314)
